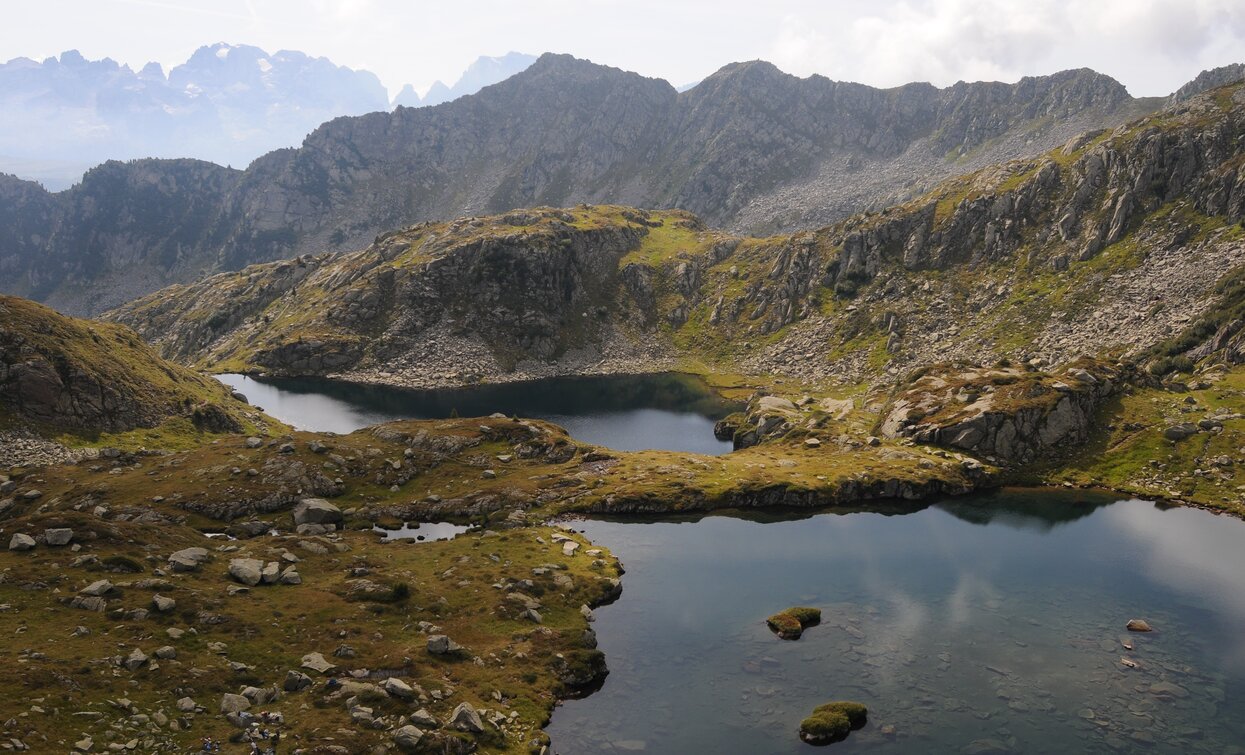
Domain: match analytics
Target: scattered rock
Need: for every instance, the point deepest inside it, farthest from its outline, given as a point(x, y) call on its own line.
point(21, 542)
point(316, 511)
point(407, 738)
point(188, 559)
point(439, 644)
point(98, 587)
point(465, 718)
point(398, 688)
point(248, 571)
point(1138, 625)
point(58, 537)
point(316, 662)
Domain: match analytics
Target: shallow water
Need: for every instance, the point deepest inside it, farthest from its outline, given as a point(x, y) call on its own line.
point(991, 624)
point(628, 412)
point(422, 531)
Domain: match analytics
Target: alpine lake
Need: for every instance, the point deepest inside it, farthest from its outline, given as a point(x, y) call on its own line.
point(991, 623)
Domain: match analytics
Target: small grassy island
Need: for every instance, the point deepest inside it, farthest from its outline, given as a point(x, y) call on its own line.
point(791, 623)
point(832, 722)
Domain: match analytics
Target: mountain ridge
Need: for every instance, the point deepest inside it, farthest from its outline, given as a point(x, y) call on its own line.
point(751, 149)
point(1026, 260)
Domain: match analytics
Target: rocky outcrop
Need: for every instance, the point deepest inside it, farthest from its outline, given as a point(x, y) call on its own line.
point(1008, 415)
point(61, 373)
point(749, 148)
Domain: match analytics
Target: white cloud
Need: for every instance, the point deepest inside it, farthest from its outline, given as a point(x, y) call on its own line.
point(1151, 45)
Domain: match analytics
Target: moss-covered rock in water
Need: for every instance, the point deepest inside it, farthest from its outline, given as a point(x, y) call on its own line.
point(832, 722)
point(580, 672)
point(791, 623)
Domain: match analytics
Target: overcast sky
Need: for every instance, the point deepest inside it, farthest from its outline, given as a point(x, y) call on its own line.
point(1152, 46)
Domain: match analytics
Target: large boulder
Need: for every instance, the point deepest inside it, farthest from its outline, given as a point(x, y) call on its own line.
point(466, 718)
point(188, 559)
point(233, 703)
point(21, 542)
point(248, 571)
point(398, 688)
point(439, 644)
point(316, 511)
point(97, 588)
point(407, 738)
point(58, 536)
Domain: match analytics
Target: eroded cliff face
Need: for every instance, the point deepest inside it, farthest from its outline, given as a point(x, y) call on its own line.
point(749, 149)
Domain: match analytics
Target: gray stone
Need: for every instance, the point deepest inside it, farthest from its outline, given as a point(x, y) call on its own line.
point(166, 652)
point(407, 738)
point(186, 705)
point(398, 688)
point(233, 703)
point(439, 644)
point(135, 660)
point(316, 511)
point(21, 542)
point(271, 573)
point(163, 604)
point(295, 681)
point(465, 718)
point(1181, 431)
point(89, 603)
point(58, 536)
point(248, 571)
point(188, 559)
point(98, 587)
point(316, 662)
point(423, 718)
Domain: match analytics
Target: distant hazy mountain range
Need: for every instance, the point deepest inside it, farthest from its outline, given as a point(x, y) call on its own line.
point(478, 75)
point(228, 104)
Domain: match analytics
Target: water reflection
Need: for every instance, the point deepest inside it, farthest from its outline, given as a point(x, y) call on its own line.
point(988, 625)
point(631, 412)
point(423, 531)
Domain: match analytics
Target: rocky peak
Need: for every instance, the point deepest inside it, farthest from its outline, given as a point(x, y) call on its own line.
point(1207, 80)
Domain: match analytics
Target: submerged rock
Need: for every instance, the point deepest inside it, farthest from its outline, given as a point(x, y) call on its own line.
point(1138, 625)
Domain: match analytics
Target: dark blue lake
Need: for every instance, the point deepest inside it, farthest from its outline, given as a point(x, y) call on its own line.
point(629, 412)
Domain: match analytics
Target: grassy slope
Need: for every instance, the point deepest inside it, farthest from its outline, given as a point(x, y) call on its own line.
point(163, 393)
